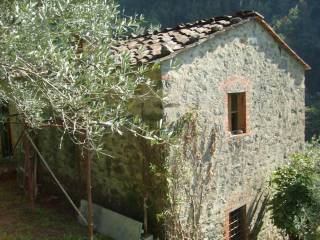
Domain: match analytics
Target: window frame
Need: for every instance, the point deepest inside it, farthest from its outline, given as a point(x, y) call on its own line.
point(237, 109)
point(243, 223)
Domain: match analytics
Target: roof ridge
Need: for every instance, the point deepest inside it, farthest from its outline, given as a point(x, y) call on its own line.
point(243, 14)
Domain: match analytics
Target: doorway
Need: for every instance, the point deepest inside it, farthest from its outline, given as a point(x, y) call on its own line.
point(5, 133)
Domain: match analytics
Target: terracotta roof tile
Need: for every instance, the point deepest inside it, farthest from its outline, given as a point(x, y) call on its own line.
point(160, 44)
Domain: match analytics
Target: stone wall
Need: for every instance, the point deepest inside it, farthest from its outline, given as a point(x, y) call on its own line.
point(116, 179)
point(244, 59)
point(121, 180)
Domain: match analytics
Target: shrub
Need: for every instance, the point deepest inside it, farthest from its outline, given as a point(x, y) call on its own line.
point(295, 194)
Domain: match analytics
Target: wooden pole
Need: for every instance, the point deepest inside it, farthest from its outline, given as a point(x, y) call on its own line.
point(87, 156)
point(145, 215)
point(29, 172)
point(146, 182)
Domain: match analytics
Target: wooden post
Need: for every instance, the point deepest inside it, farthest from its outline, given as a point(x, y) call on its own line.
point(29, 172)
point(87, 158)
point(145, 214)
point(146, 182)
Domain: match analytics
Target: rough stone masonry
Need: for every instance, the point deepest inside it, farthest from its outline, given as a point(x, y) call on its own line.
point(244, 59)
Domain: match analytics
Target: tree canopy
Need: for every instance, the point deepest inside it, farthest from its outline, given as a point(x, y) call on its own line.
point(58, 67)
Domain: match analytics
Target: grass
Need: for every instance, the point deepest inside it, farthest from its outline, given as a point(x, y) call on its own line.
point(18, 222)
point(66, 237)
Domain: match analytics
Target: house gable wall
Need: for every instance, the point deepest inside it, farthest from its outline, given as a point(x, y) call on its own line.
point(244, 59)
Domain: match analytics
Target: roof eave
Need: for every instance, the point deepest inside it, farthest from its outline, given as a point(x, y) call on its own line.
point(279, 40)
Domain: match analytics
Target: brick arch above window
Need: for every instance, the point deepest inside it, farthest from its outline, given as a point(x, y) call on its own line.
point(236, 83)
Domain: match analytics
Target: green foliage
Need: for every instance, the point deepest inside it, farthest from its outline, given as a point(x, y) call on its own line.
point(313, 117)
point(295, 194)
point(60, 67)
point(190, 174)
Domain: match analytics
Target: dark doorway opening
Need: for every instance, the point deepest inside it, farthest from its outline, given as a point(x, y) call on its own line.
point(5, 133)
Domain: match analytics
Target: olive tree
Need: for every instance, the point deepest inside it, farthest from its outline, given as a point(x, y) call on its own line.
point(59, 67)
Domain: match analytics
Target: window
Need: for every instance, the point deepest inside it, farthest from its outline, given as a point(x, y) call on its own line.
point(5, 135)
point(237, 224)
point(237, 112)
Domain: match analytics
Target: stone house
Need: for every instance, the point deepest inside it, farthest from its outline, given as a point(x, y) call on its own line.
point(246, 83)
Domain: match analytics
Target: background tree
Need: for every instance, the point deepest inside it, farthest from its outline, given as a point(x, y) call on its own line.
point(313, 116)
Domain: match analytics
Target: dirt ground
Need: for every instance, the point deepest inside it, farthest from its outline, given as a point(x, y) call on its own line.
point(50, 220)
